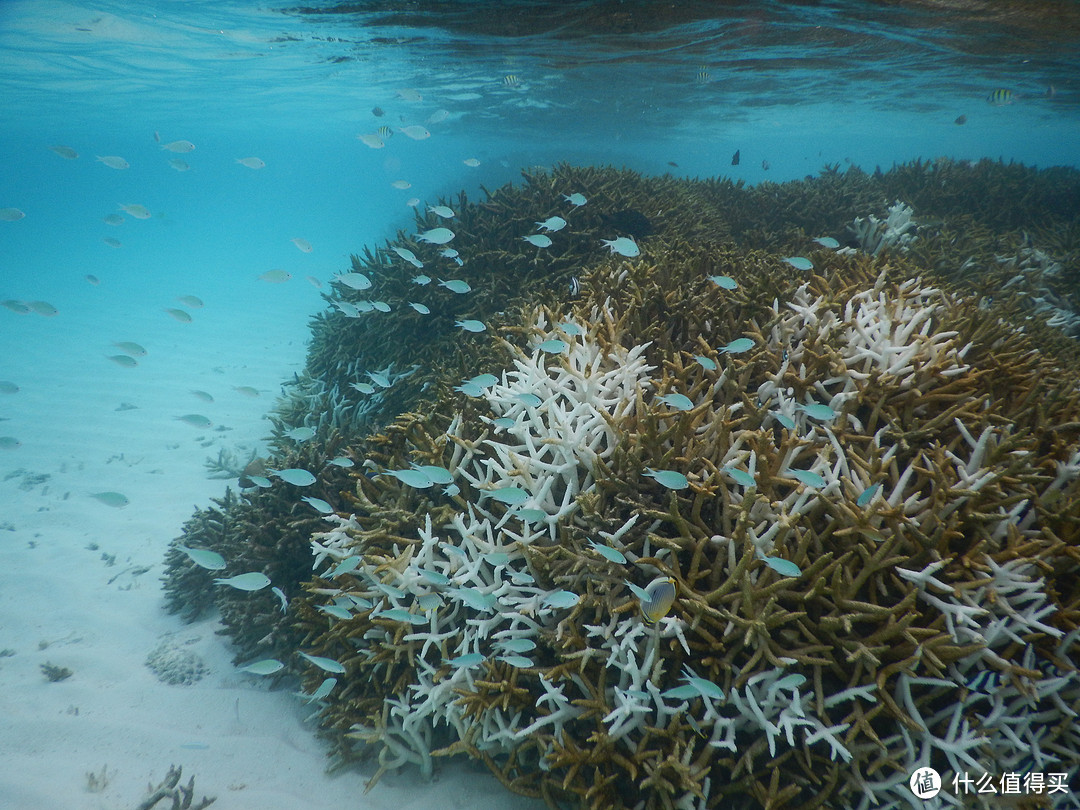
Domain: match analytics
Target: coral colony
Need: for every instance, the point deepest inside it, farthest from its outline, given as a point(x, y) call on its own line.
point(722, 512)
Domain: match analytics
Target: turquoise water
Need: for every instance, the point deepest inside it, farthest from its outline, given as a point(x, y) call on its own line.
point(789, 87)
point(653, 87)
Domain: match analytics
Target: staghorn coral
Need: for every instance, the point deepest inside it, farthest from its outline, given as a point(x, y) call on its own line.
point(901, 443)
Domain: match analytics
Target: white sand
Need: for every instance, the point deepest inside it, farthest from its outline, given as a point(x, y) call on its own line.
point(61, 603)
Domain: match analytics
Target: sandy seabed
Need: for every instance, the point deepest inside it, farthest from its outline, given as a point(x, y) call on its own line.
point(80, 580)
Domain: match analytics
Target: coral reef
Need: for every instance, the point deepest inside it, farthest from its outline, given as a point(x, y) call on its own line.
point(181, 796)
point(175, 664)
point(862, 483)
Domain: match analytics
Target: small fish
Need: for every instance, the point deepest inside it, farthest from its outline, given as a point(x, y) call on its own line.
point(741, 476)
point(114, 162)
point(737, 346)
point(466, 661)
point(785, 568)
point(538, 239)
point(436, 236)
point(123, 360)
point(251, 162)
point(765, 165)
point(336, 611)
point(421, 279)
point(408, 256)
point(204, 558)
point(985, 681)
point(679, 402)
point(735, 158)
point(575, 286)
point(65, 152)
point(43, 308)
point(449, 253)
point(412, 202)
point(195, 420)
point(179, 164)
point(18, 307)
point(191, 301)
point(416, 132)
point(706, 363)
point(867, 495)
point(296, 477)
point(724, 282)
point(92, 279)
point(251, 581)
point(7, 387)
point(354, 281)
point(552, 224)
point(827, 242)
point(554, 346)
point(1001, 97)
point(371, 140)
point(472, 163)
point(818, 411)
point(811, 479)
point(11, 443)
point(799, 262)
point(246, 391)
point(561, 599)
point(423, 310)
point(408, 94)
point(117, 500)
point(113, 243)
point(442, 211)
point(280, 594)
point(300, 434)
point(417, 479)
point(510, 80)
point(11, 215)
point(325, 664)
point(401, 185)
point(202, 395)
point(624, 246)
point(378, 112)
point(703, 77)
point(268, 666)
point(113, 219)
point(302, 245)
point(385, 132)
point(342, 462)
point(456, 285)
point(656, 599)
point(275, 276)
point(136, 210)
point(577, 200)
point(511, 496)
point(379, 379)
point(471, 326)
point(178, 315)
point(440, 475)
point(180, 147)
point(960, 120)
point(437, 117)
point(671, 479)
point(517, 645)
point(323, 690)
point(609, 553)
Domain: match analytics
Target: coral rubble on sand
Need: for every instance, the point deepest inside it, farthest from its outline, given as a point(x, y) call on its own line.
point(653, 541)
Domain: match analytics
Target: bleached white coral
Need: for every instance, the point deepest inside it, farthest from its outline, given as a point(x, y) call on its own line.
point(896, 230)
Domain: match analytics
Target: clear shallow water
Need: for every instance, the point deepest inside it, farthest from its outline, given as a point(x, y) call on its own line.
point(796, 86)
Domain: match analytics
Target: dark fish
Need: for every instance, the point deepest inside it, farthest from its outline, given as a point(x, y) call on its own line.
point(575, 287)
point(378, 112)
point(735, 158)
point(765, 165)
point(1000, 97)
point(960, 120)
point(673, 163)
point(629, 222)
